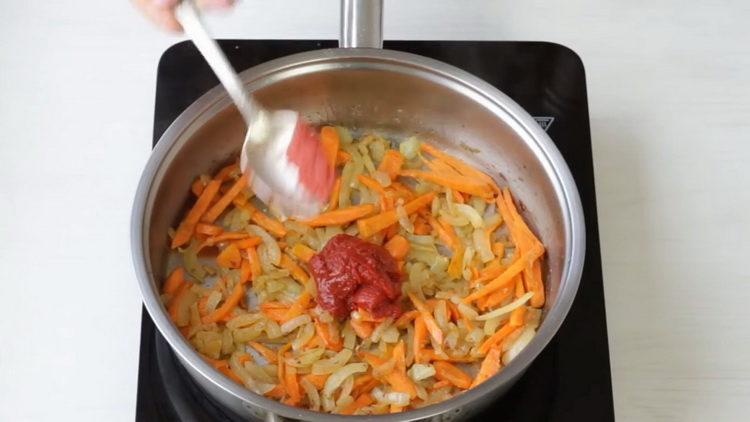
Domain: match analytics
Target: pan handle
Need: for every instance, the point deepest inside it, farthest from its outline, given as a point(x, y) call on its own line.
point(361, 24)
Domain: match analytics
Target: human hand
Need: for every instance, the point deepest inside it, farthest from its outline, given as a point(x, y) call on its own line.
point(161, 12)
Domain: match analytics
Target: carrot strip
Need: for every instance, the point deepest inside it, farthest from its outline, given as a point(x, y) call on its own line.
point(303, 252)
point(442, 233)
point(226, 236)
point(340, 216)
point(197, 186)
point(292, 385)
point(186, 228)
point(428, 319)
point(363, 329)
point(365, 387)
point(406, 318)
point(294, 270)
point(508, 275)
point(230, 374)
point(179, 295)
point(244, 357)
point(267, 353)
point(421, 226)
point(329, 334)
point(299, 306)
point(342, 157)
point(224, 173)
point(317, 380)
point(277, 392)
point(398, 247)
point(420, 338)
point(208, 229)
point(440, 384)
point(371, 225)
point(455, 182)
point(490, 366)
point(401, 383)
point(360, 402)
point(248, 242)
point(234, 298)
point(329, 141)
point(496, 338)
point(333, 200)
point(216, 209)
point(519, 289)
point(229, 257)
point(174, 281)
point(448, 372)
point(374, 186)
point(461, 166)
point(525, 240)
point(517, 316)
point(271, 224)
point(391, 163)
point(255, 269)
point(496, 298)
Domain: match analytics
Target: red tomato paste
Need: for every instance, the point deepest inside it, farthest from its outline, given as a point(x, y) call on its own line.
point(351, 273)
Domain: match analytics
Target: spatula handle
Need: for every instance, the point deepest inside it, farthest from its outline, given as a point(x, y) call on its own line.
point(188, 15)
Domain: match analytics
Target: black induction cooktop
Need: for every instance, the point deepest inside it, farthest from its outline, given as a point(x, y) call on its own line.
point(570, 380)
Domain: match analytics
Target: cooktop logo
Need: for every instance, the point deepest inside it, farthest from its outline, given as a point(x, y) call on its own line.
point(544, 121)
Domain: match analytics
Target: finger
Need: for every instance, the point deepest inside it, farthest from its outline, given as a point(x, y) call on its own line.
point(160, 13)
point(215, 4)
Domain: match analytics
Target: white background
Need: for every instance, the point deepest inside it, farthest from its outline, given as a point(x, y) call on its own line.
point(669, 97)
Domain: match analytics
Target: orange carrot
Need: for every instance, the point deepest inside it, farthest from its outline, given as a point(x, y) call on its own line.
point(255, 269)
point(421, 226)
point(440, 384)
point(299, 306)
point(456, 182)
point(448, 372)
point(495, 298)
point(330, 335)
point(517, 316)
point(303, 252)
point(274, 310)
point(519, 289)
point(491, 271)
point(371, 225)
point(333, 200)
point(365, 386)
point(224, 173)
point(197, 186)
point(342, 157)
point(508, 275)
point(360, 402)
point(232, 300)
point(490, 366)
point(375, 186)
point(525, 240)
point(496, 338)
point(292, 385)
point(248, 242)
point(243, 357)
point(174, 304)
point(224, 237)
point(208, 229)
point(267, 353)
point(340, 216)
point(229, 257)
point(391, 163)
point(185, 230)
point(406, 318)
point(401, 383)
point(294, 270)
point(174, 281)
point(362, 328)
point(277, 392)
point(427, 318)
point(447, 238)
point(461, 166)
point(230, 374)
point(316, 380)
point(398, 247)
point(213, 213)
point(269, 223)
point(329, 141)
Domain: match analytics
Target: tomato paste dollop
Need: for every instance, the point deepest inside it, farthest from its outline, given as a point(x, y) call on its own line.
point(351, 273)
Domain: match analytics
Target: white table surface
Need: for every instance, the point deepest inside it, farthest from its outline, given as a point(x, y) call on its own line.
point(669, 97)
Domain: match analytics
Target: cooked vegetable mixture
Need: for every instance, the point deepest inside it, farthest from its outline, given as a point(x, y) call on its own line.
point(419, 280)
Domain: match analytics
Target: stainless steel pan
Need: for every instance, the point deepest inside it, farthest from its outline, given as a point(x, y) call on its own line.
point(363, 86)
